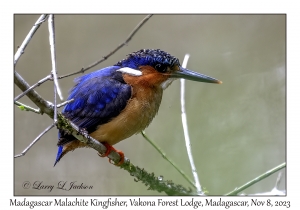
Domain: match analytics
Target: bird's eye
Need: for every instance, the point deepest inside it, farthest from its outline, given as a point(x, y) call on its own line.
point(161, 68)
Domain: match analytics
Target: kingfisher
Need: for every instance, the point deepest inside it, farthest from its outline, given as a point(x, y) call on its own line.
point(115, 102)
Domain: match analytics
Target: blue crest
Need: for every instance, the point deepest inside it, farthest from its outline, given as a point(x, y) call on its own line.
point(148, 57)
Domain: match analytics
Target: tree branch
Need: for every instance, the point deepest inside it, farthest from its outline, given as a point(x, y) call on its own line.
point(45, 106)
point(155, 183)
point(27, 108)
point(257, 179)
point(33, 86)
point(135, 30)
point(64, 103)
point(35, 27)
point(185, 130)
point(34, 141)
point(159, 150)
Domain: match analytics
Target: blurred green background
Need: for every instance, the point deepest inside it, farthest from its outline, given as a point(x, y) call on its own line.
point(237, 129)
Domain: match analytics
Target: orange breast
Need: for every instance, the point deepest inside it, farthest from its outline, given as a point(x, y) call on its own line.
point(137, 115)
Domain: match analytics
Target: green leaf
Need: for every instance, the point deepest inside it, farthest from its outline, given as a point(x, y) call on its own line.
point(22, 108)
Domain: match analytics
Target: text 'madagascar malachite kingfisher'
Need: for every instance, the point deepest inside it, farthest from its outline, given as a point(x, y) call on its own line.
point(115, 102)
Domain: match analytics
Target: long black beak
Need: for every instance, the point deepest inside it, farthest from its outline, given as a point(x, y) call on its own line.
point(195, 76)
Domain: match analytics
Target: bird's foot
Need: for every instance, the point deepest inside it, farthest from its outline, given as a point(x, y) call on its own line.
point(110, 148)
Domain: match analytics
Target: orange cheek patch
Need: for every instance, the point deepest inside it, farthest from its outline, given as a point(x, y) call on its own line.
point(150, 77)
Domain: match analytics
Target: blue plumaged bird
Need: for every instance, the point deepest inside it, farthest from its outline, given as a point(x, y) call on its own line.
point(115, 102)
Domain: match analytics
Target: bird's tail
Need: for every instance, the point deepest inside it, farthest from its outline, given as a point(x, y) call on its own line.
point(69, 146)
point(59, 154)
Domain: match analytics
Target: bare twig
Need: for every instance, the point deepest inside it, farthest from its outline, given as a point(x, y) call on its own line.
point(55, 105)
point(34, 141)
point(38, 111)
point(53, 61)
point(33, 86)
point(53, 55)
point(27, 108)
point(165, 157)
point(27, 39)
point(257, 179)
point(44, 105)
point(274, 191)
point(112, 52)
point(186, 132)
point(64, 103)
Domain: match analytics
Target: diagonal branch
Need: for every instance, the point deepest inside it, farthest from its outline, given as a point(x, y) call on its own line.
point(257, 179)
point(34, 141)
point(35, 27)
point(155, 183)
point(135, 30)
point(33, 86)
point(64, 103)
point(44, 105)
point(274, 191)
point(159, 150)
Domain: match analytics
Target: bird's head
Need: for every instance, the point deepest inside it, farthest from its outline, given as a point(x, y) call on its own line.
point(157, 68)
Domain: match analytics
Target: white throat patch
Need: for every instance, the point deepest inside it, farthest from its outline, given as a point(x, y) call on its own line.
point(130, 71)
point(167, 83)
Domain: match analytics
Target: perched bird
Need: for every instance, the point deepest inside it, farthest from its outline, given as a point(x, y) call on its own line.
point(115, 102)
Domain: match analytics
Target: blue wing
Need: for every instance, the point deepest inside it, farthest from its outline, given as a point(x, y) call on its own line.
point(98, 97)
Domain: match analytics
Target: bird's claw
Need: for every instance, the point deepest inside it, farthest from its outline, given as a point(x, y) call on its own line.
point(110, 148)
